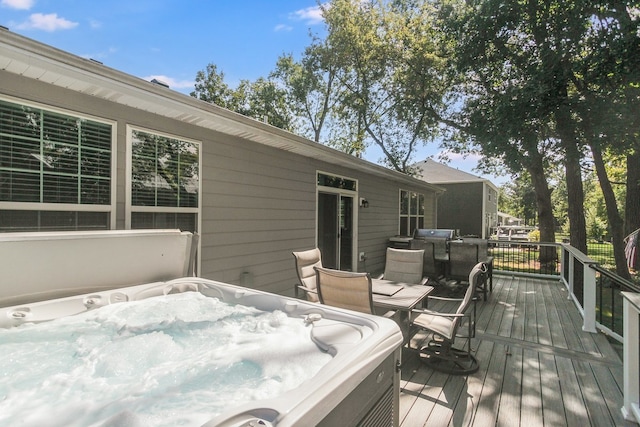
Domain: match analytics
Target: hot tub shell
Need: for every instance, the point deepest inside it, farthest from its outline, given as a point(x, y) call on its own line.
point(359, 386)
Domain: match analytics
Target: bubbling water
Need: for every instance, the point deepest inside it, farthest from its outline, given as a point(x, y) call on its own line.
point(174, 360)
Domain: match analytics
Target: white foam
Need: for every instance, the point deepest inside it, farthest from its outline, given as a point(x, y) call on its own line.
point(173, 360)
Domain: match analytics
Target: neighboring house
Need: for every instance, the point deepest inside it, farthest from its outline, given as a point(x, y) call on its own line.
point(506, 219)
point(470, 203)
point(84, 146)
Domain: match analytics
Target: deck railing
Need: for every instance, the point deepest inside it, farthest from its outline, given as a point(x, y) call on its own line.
point(609, 300)
point(595, 290)
point(631, 356)
point(606, 301)
point(523, 258)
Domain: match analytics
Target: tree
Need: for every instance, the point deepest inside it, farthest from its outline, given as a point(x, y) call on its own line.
point(518, 198)
point(549, 64)
point(310, 87)
point(211, 87)
point(262, 100)
point(501, 112)
point(391, 74)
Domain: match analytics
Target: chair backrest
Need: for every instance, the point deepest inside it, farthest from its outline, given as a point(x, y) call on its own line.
point(474, 276)
point(463, 257)
point(345, 289)
point(440, 247)
point(306, 261)
point(483, 246)
point(404, 265)
point(429, 265)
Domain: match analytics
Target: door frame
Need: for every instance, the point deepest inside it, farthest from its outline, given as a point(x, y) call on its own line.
point(354, 225)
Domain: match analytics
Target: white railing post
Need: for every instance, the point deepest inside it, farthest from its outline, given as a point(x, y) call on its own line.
point(589, 299)
point(631, 350)
point(567, 262)
point(572, 261)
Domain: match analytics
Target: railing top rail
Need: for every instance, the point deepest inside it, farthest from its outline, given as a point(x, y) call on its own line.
point(577, 254)
point(513, 243)
point(628, 285)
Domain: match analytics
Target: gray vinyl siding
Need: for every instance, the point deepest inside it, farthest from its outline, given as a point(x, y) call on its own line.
point(460, 208)
point(258, 203)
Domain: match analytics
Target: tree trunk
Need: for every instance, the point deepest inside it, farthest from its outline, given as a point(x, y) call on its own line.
point(546, 223)
point(632, 202)
point(613, 216)
point(575, 189)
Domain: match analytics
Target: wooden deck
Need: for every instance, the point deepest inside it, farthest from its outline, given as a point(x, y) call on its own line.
point(537, 367)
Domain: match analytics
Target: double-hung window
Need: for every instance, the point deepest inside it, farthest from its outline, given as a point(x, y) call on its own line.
point(56, 170)
point(411, 212)
point(164, 190)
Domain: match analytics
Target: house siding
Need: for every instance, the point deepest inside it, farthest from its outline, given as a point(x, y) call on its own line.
point(460, 208)
point(258, 203)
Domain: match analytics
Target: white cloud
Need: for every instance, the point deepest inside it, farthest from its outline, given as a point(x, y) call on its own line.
point(311, 15)
point(17, 4)
point(50, 22)
point(173, 83)
point(283, 27)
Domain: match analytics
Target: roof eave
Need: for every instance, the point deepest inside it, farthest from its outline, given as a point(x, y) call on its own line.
point(31, 59)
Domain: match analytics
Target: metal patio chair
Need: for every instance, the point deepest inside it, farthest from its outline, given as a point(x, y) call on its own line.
point(463, 256)
point(431, 268)
point(439, 353)
point(306, 261)
point(345, 289)
point(404, 266)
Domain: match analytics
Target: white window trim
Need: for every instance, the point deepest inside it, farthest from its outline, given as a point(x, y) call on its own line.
point(67, 207)
point(129, 209)
point(400, 214)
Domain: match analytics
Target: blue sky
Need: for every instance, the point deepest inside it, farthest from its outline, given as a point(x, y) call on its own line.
point(171, 40)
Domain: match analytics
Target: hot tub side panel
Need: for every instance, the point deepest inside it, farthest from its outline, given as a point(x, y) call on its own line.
point(374, 402)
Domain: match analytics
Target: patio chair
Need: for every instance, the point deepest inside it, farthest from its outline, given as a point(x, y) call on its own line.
point(440, 248)
point(439, 352)
point(306, 261)
point(345, 289)
point(483, 256)
point(431, 268)
point(463, 256)
point(404, 266)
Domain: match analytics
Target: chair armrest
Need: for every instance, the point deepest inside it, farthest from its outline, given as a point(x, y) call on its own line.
point(424, 281)
point(437, 313)
point(429, 297)
point(304, 288)
point(380, 277)
point(390, 314)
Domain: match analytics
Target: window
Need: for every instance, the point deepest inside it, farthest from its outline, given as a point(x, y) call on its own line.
point(333, 181)
point(165, 182)
point(411, 212)
point(55, 170)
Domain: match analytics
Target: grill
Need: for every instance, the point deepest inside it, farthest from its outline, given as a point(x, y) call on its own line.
point(436, 233)
point(440, 237)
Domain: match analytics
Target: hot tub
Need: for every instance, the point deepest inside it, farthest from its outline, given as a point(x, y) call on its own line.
point(358, 386)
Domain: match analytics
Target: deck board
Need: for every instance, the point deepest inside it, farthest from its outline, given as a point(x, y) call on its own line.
point(537, 367)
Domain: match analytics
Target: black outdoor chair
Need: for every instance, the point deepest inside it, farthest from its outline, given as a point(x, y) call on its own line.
point(463, 256)
point(430, 267)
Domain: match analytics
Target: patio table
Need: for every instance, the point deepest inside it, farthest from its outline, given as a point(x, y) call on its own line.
point(405, 299)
